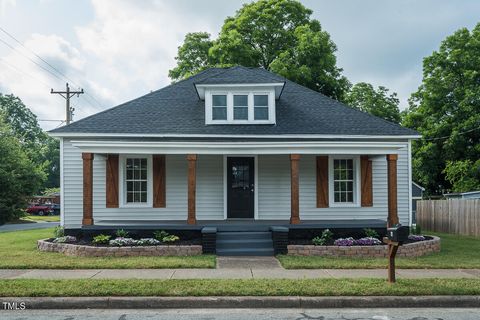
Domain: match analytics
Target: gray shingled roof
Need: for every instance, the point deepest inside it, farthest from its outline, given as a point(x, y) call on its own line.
point(176, 109)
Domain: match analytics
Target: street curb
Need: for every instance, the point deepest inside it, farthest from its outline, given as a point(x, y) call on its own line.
point(243, 302)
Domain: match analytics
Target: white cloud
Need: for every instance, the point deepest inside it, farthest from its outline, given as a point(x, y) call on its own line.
point(4, 4)
point(134, 43)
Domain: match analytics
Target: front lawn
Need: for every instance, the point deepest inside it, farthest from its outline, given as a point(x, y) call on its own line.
point(456, 252)
point(251, 287)
point(18, 250)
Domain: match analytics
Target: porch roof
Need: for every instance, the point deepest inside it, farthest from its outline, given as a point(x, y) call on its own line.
point(238, 147)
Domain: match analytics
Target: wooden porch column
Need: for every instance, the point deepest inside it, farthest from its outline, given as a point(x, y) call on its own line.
point(392, 189)
point(294, 200)
point(192, 184)
point(87, 188)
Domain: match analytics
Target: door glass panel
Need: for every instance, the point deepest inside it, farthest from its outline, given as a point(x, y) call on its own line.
point(240, 176)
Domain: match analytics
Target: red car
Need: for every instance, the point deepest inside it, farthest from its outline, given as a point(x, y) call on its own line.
point(40, 209)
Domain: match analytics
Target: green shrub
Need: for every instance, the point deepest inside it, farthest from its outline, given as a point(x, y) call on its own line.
point(325, 239)
point(370, 233)
point(160, 234)
point(101, 239)
point(58, 232)
point(170, 238)
point(416, 229)
point(120, 233)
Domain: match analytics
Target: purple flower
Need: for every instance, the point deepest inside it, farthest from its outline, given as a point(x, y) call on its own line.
point(344, 242)
point(368, 241)
point(415, 237)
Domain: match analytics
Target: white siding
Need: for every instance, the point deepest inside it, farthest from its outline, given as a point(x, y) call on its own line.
point(274, 190)
point(209, 191)
point(209, 187)
point(273, 187)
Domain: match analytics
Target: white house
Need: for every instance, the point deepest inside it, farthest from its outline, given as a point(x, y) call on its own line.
point(234, 144)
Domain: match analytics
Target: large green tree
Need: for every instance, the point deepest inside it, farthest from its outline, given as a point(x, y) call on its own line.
point(446, 111)
point(277, 35)
point(42, 149)
point(377, 102)
point(20, 177)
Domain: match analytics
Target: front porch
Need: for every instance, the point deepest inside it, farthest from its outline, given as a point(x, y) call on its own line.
point(259, 182)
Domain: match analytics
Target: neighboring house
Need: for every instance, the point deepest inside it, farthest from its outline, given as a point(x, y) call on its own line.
point(234, 145)
point(417, 194)
point(463, 195)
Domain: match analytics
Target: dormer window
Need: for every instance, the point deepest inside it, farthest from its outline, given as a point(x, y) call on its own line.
point(219, 107)
point(260, 104)
point(240, 107)
point(239, 103)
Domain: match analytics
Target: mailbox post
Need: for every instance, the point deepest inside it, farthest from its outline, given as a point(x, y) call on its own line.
point(396, 235)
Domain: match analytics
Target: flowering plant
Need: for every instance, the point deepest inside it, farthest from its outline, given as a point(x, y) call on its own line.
point(345, 242)
point(148, 242)
point(121, 242)
point(367, 241)
point(415, 237)
point(65, 239)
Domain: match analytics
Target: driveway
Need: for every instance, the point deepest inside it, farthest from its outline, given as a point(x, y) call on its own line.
point(28, 226)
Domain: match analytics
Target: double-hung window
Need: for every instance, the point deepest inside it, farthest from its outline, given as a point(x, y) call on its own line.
point(219, 107)
point(136, 180)
point(344, 181)
point(260, 104)
point(240, 107)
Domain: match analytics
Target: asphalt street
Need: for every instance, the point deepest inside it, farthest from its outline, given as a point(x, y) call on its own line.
point(254, 314)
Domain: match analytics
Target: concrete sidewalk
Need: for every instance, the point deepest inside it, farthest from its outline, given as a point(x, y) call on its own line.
point(234, 273)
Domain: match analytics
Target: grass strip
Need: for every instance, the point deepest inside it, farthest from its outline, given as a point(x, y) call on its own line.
point(250, 287)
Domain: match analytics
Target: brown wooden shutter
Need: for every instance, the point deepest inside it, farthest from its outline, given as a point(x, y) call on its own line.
point(159, 185)
point(322, 182)
point(112, 181)
point(366, 181)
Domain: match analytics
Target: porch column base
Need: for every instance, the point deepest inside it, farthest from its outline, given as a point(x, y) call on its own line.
point(87, 222)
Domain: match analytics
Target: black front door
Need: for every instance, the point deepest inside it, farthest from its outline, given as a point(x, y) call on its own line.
point(240, 187)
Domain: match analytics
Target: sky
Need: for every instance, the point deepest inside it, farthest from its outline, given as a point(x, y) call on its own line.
point(117, 50)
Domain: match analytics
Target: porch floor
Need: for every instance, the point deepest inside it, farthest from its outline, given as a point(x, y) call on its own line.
point(237, 224)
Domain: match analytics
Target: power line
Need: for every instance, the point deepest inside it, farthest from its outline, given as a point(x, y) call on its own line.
point(99, 105)
point(23, 72)
point(446, 137)
point(36, 55)
point(33, 61)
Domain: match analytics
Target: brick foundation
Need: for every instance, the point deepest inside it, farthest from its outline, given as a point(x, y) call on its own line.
point(91, 251)
point(415, 249)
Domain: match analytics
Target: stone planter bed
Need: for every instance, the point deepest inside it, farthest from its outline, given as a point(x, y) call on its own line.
point(412, 249)
point(85, 250)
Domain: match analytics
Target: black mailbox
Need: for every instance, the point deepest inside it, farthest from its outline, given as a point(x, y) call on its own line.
point(398, 233)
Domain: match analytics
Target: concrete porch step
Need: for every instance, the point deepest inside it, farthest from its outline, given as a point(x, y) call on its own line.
point(245, 252)
point(248, 235)
point(245, 243)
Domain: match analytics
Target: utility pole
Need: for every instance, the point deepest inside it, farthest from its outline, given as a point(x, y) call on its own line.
point(67, 95)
